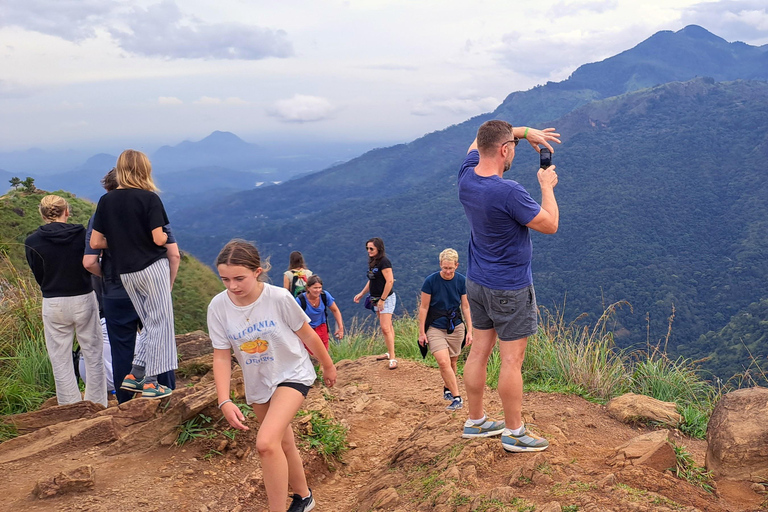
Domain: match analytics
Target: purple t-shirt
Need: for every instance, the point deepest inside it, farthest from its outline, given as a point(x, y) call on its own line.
point(498, 210)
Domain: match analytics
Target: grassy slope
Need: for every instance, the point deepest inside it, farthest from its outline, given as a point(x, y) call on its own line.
point(195, 284)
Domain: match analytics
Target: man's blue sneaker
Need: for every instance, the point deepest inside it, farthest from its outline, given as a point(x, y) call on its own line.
point(447, 395)
point(525, 442)
point(487, 429)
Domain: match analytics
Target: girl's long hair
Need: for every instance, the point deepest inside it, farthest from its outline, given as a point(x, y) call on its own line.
point(135, 171)
point(296, 261)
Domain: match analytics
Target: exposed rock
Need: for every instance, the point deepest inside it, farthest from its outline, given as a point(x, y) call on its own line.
point(503, 494)
point(193, 344)
point(452, 473)
point(552, 506)
point(70, 435)
point(78, 479)
point(525, 473)
point(652, 450)
point(758, 488)
point(737, 436)
point(31, 421)
point(182, 405)
point(608, 480)
point(197, 365)
point(132, 412)
point(630, 408)
point(386, 499)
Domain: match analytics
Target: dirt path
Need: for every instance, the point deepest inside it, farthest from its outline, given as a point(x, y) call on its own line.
point(406, 454)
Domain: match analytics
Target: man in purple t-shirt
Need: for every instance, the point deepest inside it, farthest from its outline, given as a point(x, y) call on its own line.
point(500, 290)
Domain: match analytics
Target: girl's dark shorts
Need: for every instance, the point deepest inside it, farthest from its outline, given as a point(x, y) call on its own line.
point(301, 388)
point(512, 313)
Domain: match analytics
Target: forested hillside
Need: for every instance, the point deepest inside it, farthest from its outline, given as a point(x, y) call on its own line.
point(662, 194)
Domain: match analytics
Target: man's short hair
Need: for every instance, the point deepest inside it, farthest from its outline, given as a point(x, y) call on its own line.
point(492, 133)
point(449, 255)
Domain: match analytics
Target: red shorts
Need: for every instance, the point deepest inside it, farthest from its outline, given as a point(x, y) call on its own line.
point(322, 331)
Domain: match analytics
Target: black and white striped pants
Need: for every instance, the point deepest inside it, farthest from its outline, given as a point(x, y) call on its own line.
point(150, 293)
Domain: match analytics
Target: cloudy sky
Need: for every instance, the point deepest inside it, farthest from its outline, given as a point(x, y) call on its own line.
point(114, 73)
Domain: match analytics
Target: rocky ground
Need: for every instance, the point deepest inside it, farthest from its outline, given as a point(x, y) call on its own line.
point(405, 454)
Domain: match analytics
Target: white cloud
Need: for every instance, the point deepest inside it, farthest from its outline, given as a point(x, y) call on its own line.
point(73, 20)
point(209, 100)
point(465, 106)
point(571, 8)
point(302, 109)
point(737, 20)
point(169, 100)
point(161, 30)
point(548, 56)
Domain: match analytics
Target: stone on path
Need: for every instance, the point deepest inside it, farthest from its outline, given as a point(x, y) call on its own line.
point(78, 479)
point(737, 436)
point(629, 408)
point(652, 450)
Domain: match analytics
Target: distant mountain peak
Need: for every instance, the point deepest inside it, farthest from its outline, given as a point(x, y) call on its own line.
point(220, 137)
point(697, 32)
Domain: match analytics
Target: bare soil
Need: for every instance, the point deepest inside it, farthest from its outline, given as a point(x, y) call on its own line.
point(406, 454)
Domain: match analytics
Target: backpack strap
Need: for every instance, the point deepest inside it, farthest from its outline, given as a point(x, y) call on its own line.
point(324, 298)
point(303, 300)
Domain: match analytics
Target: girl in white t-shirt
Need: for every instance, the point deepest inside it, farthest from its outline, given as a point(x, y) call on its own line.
point(267, 330)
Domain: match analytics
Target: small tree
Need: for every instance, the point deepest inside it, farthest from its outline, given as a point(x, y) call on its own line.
point(29, 184)
point(15, 182)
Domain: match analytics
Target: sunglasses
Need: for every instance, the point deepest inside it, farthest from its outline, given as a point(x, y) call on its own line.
point(370, 248)
point(516, 141)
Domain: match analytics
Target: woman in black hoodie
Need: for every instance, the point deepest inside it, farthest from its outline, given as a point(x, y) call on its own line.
point(55, 255)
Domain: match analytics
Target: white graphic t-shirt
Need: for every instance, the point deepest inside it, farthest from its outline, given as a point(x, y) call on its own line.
point(263, 339)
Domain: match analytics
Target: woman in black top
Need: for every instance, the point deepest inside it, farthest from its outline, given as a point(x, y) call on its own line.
point(380, 286)
point(129, 222)
point(55, 254)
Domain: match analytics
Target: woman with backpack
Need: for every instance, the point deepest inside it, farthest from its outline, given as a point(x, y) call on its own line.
point(380, 287)
point(132, 219)
point(295, 278)
point(316, 303)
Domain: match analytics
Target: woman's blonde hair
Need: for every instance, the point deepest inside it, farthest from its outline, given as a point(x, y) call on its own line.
point(449, 255)
point(52, 207)
point(135, 171)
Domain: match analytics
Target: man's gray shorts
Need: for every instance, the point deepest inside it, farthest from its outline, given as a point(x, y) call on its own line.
point(512, 313)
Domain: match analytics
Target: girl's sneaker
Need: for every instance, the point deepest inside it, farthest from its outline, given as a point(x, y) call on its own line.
point(457, 403)
point(131, 383)
point(447, 395)
point(155, 391)
point(299, 504)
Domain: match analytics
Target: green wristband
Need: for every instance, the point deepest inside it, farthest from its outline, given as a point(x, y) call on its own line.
point(525, 134)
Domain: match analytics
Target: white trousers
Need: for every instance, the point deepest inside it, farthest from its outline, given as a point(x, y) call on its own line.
point(62, 317)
